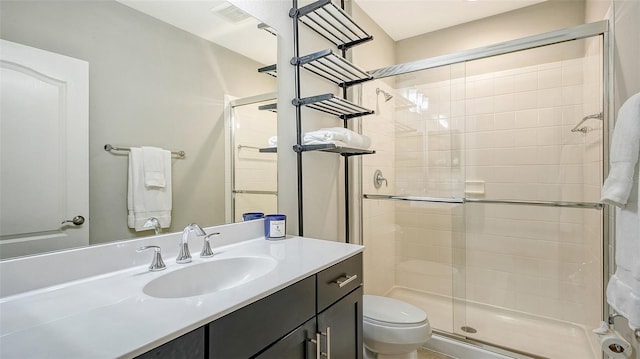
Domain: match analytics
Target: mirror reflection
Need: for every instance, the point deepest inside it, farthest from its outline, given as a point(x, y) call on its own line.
point(131, 79)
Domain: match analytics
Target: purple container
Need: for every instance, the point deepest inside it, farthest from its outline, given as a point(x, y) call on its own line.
point(275, 226)
point(252, 215)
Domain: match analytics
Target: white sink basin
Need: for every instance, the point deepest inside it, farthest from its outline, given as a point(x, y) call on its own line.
point(209, 277)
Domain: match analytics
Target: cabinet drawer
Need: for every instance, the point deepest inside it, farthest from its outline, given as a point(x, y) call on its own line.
point(337, 281)
point(248, 330)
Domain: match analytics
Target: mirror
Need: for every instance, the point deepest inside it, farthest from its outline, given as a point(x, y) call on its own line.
point(155, 78)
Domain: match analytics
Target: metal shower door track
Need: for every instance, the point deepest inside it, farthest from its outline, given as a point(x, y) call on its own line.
point(525, 43)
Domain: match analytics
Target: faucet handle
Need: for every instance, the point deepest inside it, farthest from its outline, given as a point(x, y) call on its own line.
point(157, 264)
point(206, 246)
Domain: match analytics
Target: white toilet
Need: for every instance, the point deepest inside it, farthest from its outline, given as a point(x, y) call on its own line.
point(393, 329)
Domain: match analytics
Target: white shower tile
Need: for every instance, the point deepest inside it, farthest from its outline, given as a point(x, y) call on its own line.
point(550, 78)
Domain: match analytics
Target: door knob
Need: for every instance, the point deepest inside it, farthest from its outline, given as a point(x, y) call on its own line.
point(77, 220)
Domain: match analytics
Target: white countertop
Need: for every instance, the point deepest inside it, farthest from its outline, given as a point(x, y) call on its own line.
point(109, 316)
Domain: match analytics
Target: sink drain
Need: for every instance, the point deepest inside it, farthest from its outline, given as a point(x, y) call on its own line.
point(469, 330)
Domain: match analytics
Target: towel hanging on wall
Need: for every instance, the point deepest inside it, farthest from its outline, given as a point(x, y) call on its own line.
point(143, 200)
point(621, 189)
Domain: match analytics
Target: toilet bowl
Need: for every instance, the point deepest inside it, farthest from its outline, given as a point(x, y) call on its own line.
point(393, 329)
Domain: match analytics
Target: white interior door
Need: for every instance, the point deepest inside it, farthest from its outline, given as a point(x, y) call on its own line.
point(44, 168)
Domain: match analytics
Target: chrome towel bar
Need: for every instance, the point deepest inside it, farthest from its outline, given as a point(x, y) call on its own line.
point(109, 148)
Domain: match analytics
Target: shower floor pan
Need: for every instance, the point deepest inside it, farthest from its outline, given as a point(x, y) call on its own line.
point(540, 336)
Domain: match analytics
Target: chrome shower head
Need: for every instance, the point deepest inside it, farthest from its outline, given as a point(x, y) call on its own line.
point(387, 96)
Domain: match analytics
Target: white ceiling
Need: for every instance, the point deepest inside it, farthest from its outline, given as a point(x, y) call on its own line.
point(214, 20)
point(400, 19)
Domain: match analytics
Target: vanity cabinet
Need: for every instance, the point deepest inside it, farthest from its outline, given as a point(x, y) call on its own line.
point(324, 308)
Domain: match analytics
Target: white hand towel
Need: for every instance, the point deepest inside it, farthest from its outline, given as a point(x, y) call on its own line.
point(621, 189)
point(153, 164)
point(145, 202)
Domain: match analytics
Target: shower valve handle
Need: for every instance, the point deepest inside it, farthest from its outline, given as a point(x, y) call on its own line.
point(378, 178)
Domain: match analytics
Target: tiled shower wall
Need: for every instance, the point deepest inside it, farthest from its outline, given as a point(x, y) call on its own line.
point(506, 133)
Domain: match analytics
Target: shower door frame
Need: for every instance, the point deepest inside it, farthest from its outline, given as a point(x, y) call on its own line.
point(230, 144)
point(599, 28)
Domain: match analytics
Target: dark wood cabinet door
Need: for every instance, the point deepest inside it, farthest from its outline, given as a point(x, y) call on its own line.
point(344, 318)
point(296, 345)
point(188, 346)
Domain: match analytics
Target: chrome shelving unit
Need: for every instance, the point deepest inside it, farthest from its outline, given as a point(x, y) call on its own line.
point(334, 24)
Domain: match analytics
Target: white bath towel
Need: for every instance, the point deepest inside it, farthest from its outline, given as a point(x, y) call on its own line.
point(621, 189)
point(338, 136)
point(145, 202)
point(153, 162)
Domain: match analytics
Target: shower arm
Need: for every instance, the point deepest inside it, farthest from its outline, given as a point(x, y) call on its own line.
point(577, 127)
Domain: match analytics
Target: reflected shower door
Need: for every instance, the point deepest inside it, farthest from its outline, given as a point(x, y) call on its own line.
point(254, 180)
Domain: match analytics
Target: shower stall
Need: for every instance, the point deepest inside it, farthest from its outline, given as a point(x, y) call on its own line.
point(251, 163)
point(481, 205)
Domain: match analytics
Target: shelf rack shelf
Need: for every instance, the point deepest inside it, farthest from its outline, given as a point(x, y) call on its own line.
point(332, 67)
point(333, 105)
point(271, 70)
point(272, 107)
point(344, 151)
point(332, 23)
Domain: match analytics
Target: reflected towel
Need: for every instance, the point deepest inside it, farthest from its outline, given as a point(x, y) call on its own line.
point(145, 202)
point(153, 163)
point(273, 141)
point(621, 190)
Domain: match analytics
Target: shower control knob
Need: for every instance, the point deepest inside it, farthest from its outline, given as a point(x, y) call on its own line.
point(77, 220)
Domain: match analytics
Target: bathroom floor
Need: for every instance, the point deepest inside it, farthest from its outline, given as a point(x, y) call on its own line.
point(428, 354)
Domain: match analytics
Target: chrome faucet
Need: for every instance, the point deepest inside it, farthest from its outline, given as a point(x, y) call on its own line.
point(153, 222)
point(184, 256)
point(206, 247)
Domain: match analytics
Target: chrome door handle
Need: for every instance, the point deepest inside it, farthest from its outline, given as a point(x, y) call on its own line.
point(341, 282)
point(316, 341)
point(77, 220)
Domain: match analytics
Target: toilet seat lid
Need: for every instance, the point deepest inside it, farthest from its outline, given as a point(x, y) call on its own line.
point(391, 310)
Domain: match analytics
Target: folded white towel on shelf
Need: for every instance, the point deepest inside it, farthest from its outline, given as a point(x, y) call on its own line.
point(337, 135)
point(153, 159)
point(621, 189)
point(144, 202)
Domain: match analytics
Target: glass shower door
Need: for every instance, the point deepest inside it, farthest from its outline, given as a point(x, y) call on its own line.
point(533, 227)
point(254, 179)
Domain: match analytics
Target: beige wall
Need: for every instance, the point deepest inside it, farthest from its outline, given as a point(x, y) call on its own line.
point(150, 84)
point(536, 19)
